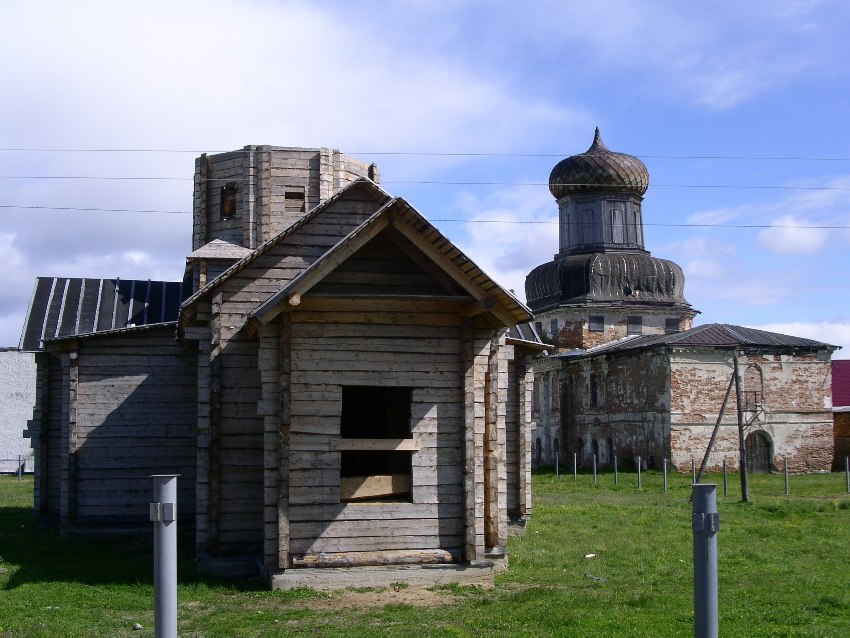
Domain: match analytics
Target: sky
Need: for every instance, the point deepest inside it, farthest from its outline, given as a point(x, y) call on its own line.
point(740, 111)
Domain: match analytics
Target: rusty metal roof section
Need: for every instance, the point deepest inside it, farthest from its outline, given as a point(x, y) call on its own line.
point(66, 307)
point(598, 169)
point(605, 278)
point(841, 383)
point(712, 335)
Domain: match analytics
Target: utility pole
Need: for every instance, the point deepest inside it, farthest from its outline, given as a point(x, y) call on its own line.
point(742, 447)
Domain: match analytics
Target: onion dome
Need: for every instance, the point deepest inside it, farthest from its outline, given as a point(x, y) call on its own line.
point(598, 169)
point(605, 278)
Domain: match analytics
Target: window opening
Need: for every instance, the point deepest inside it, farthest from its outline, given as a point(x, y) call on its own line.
point(293, 197)
point(596, 323)
point(672, 325)
point(634, 325)
point(227, 206)
point(376, 448)
point(594, 391)
point(618, 234)
point(753, 388)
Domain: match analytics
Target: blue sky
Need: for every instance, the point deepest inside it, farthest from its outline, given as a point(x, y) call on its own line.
point(739, 110)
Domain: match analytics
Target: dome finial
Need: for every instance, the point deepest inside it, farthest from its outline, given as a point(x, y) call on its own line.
point(598, 144)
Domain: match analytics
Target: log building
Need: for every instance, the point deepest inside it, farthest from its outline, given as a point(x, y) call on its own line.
point(336, 383)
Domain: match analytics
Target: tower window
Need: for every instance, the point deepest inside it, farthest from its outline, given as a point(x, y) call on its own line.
point(634, 325)
point(228, 200)
point(294, 199)
point(596, 323)
point(672, 325)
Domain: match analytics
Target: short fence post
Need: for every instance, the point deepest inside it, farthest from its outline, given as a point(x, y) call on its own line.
point(163, 515)
point(617, 474)
point(594, 468)
point(664, 465)
point(705, 524)
point(785, 464)
point(847, 473)
point(694, 470)
point(557, 469)
point(575, 465)
point(19, 468)
point(725, 480)
point(638, 468)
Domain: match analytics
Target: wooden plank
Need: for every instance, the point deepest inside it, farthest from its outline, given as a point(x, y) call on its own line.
point(401, 445)
point(358, 488)
point(378, 558)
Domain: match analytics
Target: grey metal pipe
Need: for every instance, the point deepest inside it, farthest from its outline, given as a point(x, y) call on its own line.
point(785, 469)
point(664, 463)
point(725, 480)
point(638, 468)
point(163, 515)
point(594, 468)
point(847, 473)
point(617, 474)
point(705, 524)
point(575, 463)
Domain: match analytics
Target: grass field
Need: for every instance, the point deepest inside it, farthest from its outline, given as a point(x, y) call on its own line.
point(784, 571)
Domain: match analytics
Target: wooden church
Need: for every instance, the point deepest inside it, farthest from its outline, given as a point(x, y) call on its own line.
point(336, 383)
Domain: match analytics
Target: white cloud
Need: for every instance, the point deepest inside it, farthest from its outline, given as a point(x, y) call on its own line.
point(790, 236)
point(524, 235)
point(835, 332)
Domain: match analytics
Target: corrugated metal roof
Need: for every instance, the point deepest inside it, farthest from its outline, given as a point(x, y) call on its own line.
point(717, 335)
point(64, 307)
point(841, 383)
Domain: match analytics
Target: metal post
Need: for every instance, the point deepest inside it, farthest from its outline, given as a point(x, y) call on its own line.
point(705, 523)
point(638, 464)
point(742, 446)
point(725, 480)
point(847, 473)
point(694, 470)
point(617, 474)
point(664, 465)
point(594, 468)
point(19, 468)
point(785, 464)
point(163, 514)
point(575, 465)
point(557, 469)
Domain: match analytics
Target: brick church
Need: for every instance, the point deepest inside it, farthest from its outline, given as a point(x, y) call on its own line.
point(628, 374)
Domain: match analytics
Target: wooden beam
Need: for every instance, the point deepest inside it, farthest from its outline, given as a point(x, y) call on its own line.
point(397, 445)
point(354, 488)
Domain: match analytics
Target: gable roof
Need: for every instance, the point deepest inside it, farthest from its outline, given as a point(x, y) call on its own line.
point(363, 184)
point(402, 217)
point(712, 335)
point(64, 307)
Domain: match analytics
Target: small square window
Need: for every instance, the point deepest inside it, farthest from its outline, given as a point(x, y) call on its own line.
point(596, 323)
point(634, 325)
point(672, 325)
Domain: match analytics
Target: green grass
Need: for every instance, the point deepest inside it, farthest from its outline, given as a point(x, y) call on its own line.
point(784, 571)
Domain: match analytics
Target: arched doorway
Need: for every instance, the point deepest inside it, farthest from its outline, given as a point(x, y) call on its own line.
point(759, 452)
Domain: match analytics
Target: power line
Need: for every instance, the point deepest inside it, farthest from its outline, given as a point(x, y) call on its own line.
point(759, 158)
point(453, 220)
point(432, 182)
